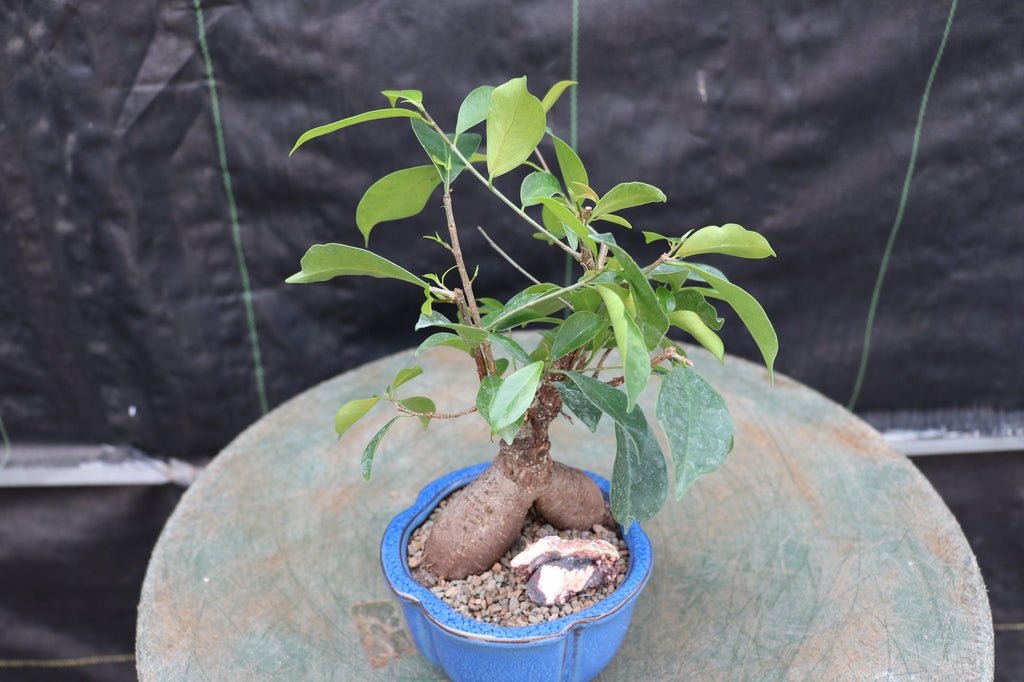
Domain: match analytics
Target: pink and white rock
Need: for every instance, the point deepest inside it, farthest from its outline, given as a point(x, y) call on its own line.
point(557, 569)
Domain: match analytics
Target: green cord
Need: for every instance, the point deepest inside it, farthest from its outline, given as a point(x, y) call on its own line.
point(236, 233)
point(904, 194)
point(574, 75)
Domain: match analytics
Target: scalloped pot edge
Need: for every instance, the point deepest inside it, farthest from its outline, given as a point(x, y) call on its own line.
point(574, 647)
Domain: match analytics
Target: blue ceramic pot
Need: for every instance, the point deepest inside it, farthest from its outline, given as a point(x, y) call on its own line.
point(571, 648)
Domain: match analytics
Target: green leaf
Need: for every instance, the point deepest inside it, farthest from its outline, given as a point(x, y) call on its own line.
point(617, 220)
point(551, 223)
point(515, 125)
point(414, 96)
point(639, 475)
point(431, 319)
point(473, 336)
point(485, 396)
point(630, 342)
point(405, 376)
point(707, 268)
point(691, 298)
point(569, 220)
point(671, 274)
point(586, 191)
point(748, 309)
point(571, 168)
point(627, 195)
point(444, 339)
point(351, 412)
point(500, 365)
point(543, 349)
point(666, 299)
point(515, 395)
point(419, 403)
point(697, 424)
point(514, 350)
point(650, 237)
point(398, 195)
point(488, 305)
point(474, 109)
point(447, 163)
point(730, 239)
point(532, 303)
point(651, 316)
point(374, 115)
point(585, 299)
point(554, 93)
point(538, 185)
point(578, 329)
point(574, 399)
point(690, 322)
point(326, 261)
point(371, 448)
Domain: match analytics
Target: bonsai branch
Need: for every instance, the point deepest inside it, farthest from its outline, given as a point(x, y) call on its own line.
point(600, 363)
point(496, 192)
point(435, 415)
point(663, 258)
point(670, 353)
point(467, 283)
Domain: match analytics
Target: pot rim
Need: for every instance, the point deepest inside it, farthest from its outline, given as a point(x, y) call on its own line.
point(404, 585)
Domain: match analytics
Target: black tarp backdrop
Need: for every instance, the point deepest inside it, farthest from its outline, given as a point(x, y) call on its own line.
point(122, 316)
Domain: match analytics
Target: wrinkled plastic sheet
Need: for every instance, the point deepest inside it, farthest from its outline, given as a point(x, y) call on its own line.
point(122, 316)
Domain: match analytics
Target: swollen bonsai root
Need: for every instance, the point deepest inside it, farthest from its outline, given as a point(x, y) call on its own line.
point(571, 500)
point(479, 524)
point(482, 520)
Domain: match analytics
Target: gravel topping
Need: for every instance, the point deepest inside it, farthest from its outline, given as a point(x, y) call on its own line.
point(498, 596)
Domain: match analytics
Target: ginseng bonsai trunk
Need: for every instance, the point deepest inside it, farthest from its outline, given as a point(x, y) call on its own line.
point(483, 520)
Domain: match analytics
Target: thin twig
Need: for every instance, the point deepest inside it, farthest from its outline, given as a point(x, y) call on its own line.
point(600, 363)
point(669, 353)
point(435, 415)
point(540, 157)
point(664, 258)
point(508, 258)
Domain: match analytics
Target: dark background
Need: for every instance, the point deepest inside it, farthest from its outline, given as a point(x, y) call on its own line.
point(120, 285)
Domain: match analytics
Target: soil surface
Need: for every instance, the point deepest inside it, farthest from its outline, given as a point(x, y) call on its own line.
point(498, 596)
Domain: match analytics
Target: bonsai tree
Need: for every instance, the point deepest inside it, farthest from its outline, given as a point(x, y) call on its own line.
point(615, 303)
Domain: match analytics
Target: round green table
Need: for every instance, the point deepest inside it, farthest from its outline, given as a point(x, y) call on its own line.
point(815, 553)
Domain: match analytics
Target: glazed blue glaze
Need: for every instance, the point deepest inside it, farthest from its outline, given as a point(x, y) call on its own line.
point(569, 649)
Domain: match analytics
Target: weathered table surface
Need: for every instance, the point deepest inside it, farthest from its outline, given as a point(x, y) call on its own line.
point(815, 553)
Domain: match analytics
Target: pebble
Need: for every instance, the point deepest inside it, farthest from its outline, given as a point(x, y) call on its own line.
point(496, 596)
